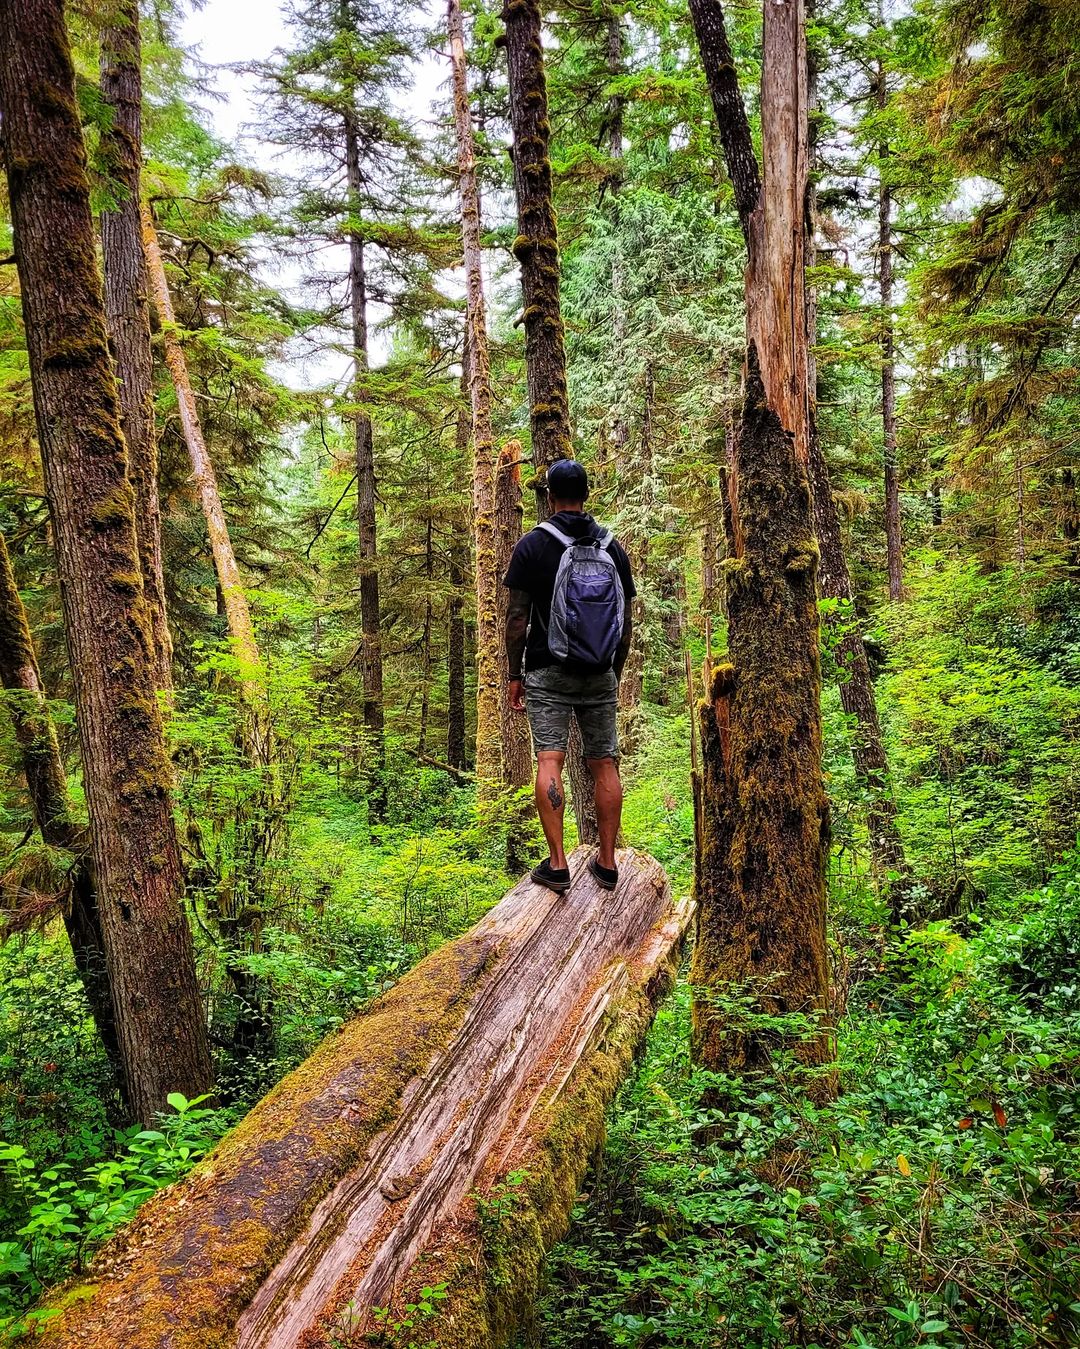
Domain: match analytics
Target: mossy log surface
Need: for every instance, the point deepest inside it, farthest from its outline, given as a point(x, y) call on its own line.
point(381, 1164)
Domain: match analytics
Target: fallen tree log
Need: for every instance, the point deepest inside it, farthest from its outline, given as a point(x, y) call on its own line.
point(438, 1140)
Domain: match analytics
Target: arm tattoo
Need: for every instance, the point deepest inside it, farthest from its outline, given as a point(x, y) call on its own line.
point(517, 627)
point(554, 795)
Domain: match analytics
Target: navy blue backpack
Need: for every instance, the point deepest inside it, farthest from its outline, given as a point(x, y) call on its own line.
point(588, 606)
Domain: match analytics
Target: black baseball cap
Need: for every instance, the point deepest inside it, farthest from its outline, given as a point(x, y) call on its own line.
point(568, 481)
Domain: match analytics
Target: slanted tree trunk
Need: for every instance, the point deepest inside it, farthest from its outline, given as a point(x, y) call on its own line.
point(127, 306)
point(371, 663)
point(230, 585)
point(537, 249)
point(438, 1139)
point(46, 784)
point(489, 672)
point(893, 538)
point(516, 743)
point(136, 855)
point(763, 814)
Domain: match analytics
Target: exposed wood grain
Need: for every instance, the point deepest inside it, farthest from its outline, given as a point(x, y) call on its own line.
point(318, 1208)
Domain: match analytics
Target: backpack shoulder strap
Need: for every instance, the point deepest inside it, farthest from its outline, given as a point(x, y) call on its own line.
point(556, 533)
point(605, 539)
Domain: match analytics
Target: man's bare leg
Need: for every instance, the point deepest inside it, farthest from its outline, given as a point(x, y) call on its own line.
point(551, 803)
point(609, 797)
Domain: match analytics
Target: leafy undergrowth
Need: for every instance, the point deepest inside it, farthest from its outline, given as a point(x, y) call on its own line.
point(936, 1203)
point(61, 1213)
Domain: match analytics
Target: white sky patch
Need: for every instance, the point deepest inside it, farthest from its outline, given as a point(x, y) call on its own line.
point(226, 33)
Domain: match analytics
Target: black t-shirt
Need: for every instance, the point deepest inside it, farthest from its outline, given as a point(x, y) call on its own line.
point(533, 568)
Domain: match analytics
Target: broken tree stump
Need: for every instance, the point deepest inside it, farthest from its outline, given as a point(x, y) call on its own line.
point(436, 1141)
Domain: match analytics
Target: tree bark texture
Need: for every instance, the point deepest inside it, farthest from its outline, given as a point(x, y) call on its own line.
point(763, 829)
point(357, 1180)
point(516, 742)
point(136, 855)
point(371, 663)
point(231, 587)
point(490, 673)
point(537, 245)
point(46, 785)
point(893, 538)
point(127, 307)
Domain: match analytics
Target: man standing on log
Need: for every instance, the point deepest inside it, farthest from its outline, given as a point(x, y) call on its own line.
point(569, 622)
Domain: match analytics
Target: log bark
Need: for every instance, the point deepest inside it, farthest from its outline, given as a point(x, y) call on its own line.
point(230, 584)
point(46, 785)
point(490, 675)
point(763, 830)
point(125, 767)
point(377, 1165)
point(127, 308)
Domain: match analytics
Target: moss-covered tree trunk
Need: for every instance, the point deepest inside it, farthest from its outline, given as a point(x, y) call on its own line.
point(763, 818)
point(46, 785)
point(537, 250)
point(371, 661)
point(136, 855)
point(537, 244)
point(127, 305)
point(490, 674)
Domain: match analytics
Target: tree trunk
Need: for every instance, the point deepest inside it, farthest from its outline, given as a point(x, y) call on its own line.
point(537, 245)
point(127, 307)
point(371, 665)
point(425, 638)
point(456, 755)
point(516, 742)
point(136, 855)
point(637, 483)
point(893, 539)
point(763, 815)
point(46, 784)
point(537, 249)
point(834, 582)
point(489, 671)
point(439, 1139)
point(230, 585)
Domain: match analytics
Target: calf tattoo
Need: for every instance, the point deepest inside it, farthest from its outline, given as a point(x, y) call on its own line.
point(554, 795)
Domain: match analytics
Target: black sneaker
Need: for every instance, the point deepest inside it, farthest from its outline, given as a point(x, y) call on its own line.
point(554, 878)
point(607, 878)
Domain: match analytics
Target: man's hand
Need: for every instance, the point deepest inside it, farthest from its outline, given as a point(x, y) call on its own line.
point(515, 695)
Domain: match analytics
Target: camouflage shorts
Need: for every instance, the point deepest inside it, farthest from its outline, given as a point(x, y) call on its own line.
point(551, 694)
